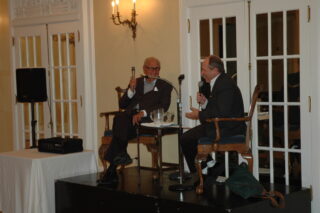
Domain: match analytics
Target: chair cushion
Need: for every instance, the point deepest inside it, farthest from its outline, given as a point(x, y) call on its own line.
point(224, 140)
point(108, 133)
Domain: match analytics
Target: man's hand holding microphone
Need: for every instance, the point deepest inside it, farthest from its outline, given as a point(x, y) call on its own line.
point(201, 99)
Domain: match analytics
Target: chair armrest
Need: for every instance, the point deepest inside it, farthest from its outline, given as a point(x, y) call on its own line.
point(106, 115)
point(216, 124)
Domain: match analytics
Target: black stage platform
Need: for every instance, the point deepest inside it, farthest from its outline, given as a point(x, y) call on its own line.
point(82, 194)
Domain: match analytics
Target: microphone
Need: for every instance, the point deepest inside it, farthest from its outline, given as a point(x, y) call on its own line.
point(133, 72)
point(200, 85)
point(147, 77)
point(181, 77)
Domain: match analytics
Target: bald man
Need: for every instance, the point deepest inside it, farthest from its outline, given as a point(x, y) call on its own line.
point(224, 100)
point(142, 97)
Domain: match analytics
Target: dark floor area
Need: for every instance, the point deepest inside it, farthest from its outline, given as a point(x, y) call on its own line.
point(137, 191)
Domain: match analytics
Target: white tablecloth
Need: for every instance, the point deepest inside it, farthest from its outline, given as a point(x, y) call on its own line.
point(27, 178)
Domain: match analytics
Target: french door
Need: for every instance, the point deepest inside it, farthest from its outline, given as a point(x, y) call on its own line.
point(279, 58)
point(261, 42)
point(31, 51)
point(65, 77)
point(54, 47)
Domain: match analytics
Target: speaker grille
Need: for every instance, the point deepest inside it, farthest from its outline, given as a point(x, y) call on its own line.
point(31, 85)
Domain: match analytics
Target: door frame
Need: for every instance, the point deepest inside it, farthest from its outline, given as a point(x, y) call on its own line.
point(84, 16)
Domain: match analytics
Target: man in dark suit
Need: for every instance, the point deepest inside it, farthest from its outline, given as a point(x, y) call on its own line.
point(224, 100)
point(143, 95)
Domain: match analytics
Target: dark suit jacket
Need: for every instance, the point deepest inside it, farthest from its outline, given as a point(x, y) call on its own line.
point(158, 97)
point(205, 88)
point(225, 100)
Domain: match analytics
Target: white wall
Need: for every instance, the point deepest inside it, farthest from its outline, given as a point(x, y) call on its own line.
point(117, 52)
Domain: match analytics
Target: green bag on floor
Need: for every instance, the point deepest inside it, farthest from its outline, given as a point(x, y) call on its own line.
point(243, 183)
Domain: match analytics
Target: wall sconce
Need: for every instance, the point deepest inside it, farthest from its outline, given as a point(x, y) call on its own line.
point(132, 24)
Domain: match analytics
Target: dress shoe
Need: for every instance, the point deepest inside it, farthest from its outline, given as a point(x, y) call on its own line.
point(110, 177)
point(122, 159)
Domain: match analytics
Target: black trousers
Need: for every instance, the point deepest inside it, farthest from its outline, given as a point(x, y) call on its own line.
point(189, 143)
point(122, 131)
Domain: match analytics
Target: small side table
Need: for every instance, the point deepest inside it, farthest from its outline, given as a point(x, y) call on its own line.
point(162, 129)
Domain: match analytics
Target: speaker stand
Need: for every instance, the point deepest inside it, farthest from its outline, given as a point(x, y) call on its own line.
point(33, 127)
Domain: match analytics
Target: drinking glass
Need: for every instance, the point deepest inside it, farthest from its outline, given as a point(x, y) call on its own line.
point(157, 116)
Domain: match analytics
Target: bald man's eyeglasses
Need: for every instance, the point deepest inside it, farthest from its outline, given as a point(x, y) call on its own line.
point(152, 68)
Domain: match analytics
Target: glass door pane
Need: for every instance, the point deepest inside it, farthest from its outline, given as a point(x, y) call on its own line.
point(64, 73)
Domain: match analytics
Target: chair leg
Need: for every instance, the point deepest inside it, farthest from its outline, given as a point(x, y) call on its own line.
point(199, 189)
point(102, 151)
point(153, 148)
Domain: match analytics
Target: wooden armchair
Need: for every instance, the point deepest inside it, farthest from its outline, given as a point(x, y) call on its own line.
point(149, 140)
point(238, 143)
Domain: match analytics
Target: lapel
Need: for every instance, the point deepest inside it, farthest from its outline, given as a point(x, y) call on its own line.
point(140, 86)
point(158, 84)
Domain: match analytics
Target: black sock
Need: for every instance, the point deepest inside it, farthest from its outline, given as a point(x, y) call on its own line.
point(112, 167)
point(209, 158)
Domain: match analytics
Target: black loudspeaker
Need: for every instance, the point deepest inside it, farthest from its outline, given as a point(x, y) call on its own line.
point(31, 85)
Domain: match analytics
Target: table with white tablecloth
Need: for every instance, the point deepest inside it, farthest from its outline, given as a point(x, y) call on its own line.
point(27, 178)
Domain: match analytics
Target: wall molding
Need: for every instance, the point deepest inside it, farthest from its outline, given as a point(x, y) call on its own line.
point(40, 8)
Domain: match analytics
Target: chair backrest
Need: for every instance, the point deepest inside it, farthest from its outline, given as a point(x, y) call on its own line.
point(120, 92)
point(252, 106)
point(254, 99)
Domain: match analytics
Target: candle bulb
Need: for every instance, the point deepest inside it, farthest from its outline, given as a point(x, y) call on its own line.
point(134, 4)
point(117, 3)
point(112, 3)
